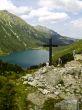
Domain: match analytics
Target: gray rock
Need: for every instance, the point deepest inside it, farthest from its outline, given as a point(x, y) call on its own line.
point(69, 104)
point(37, 98)
point(44, 91)
point(52, 82)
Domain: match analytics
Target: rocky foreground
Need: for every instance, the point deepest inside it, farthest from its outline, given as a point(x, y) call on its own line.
point(57, 88)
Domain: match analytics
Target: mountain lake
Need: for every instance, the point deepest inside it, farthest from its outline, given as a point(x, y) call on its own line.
point(27, 58)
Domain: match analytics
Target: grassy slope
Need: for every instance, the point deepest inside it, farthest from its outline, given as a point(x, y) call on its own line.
point(66, 50)
point(13, 93)
point(16, 34)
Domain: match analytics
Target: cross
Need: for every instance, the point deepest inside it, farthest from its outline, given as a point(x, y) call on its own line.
point(50, 45)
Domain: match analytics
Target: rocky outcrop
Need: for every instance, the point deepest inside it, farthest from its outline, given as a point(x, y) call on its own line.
point(69, 104)
point(55, 82)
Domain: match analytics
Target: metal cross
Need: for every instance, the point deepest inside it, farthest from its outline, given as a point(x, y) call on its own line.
point(50, 45)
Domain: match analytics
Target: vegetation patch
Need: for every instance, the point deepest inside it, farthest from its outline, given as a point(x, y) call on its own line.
point(50, 103)
point(66, 52)
point(13, 93)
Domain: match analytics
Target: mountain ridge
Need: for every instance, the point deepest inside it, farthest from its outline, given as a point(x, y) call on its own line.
point(56, 37)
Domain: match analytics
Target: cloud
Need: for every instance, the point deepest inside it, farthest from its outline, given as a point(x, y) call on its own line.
point(54, 17)
point(25, 17)
point(66, 5)
point(21, 10)
point(77, 23)
point(44, 14)
point(8, 5)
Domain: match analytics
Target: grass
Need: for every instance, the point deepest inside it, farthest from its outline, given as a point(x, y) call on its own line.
point(65, 52)
point(13, 93)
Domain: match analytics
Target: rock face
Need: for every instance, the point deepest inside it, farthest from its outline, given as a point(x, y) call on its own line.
point(70, 104)
point(58, 83)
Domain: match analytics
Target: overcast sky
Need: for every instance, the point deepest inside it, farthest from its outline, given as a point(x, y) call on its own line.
point(63, 16)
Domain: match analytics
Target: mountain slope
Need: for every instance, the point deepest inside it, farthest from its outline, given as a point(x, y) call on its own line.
point(66, 52)
point(57, 38)
point(16, 34)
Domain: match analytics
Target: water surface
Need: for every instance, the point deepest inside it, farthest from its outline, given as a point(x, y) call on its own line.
point(27, 58)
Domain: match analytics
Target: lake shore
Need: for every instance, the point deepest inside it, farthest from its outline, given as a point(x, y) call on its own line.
point(3, 54)
point(36, 48)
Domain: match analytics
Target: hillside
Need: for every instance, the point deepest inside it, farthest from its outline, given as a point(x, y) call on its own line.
point(16, 34)
point(46, 88)
point(65, 52)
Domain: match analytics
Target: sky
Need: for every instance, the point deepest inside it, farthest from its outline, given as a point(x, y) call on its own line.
point(62, 16)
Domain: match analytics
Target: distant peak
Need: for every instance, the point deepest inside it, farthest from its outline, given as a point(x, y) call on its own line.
point(39, 26)
point(45, 29)
point(4, 11)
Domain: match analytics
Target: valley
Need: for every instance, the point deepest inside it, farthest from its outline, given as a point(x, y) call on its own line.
point(16, 34)
point(41, 87)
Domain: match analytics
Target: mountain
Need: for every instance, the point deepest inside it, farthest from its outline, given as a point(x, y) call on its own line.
point(16, 34)
point(57, 38)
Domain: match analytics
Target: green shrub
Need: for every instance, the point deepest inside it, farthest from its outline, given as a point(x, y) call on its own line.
point(64, 57)
point(7, 94)
point(6, 67)
point(67, 57)
point(12, 95)
point(50, 103)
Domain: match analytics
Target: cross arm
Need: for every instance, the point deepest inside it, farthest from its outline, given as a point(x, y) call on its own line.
point(49, 45)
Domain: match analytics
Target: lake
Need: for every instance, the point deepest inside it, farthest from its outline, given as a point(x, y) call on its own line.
point(27, 58)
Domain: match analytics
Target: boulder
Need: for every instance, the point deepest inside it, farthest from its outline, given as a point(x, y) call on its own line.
point(69, 104)
point(37, 98)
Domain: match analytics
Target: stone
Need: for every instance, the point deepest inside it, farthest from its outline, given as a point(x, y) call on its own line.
point(56, 87)
point(69, 104)
point(76, 77)
point(27, 76)
point(44, 91)
point(59, 85)
point(37, 98)
point(47, 64)
point(33, 83)
point(56, 93)
point(67, 90)
point(30, 108)
point(25, 82)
